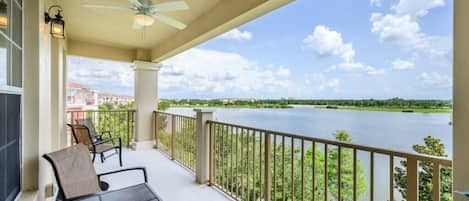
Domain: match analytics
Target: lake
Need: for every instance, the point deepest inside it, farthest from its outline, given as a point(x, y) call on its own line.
point(390, 130)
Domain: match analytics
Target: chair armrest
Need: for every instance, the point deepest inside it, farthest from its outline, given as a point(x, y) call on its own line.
point(125, 170)
point(102, 133)
point(107, 140)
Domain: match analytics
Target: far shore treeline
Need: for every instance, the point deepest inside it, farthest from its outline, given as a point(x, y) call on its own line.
point(391, 105)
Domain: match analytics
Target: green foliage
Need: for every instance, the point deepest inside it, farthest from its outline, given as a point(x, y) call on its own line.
point(119, 123)
point(246, 173)
point(342, 136)
point(346, 170)
point(434, 147)
point(396, 104)
point(163, 105)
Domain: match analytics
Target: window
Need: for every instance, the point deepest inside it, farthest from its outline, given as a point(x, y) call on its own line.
point(11, 41)
point(11, 83)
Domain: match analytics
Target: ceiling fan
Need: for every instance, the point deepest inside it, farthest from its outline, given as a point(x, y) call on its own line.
point(146, 12)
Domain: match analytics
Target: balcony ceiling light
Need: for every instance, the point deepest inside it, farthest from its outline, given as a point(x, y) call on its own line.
point(57, 24)
point(143, 19)
point(3, 15)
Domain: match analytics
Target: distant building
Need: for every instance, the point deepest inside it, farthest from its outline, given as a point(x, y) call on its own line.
point(81, 97)
point(116, 99)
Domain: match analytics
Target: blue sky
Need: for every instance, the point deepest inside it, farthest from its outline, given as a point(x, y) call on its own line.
point(309, 49)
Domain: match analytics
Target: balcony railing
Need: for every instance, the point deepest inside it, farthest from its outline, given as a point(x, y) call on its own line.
point(121, 123)
point(257, 164)
point(175, 135)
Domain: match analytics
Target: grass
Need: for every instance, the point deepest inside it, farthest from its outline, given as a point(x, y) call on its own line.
point(388, 109)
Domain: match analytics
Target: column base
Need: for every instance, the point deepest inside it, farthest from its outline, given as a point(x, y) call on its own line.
point(143, 145)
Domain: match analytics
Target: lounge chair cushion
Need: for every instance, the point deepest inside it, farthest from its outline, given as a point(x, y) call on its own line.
point(140, 192)
point(104, 147)
point(76, 172)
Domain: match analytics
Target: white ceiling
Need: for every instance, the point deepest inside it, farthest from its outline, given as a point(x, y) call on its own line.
point(114, 27)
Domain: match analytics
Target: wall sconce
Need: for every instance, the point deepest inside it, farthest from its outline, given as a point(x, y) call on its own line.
point(57, 24)
point(3, 15)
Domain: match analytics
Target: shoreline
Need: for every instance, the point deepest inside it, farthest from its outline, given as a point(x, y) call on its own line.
point(325, 107)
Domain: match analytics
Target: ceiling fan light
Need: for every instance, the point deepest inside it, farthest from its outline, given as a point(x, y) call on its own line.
point(144, 20)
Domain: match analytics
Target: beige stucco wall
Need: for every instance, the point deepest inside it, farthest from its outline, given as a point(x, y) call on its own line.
point(461, 98)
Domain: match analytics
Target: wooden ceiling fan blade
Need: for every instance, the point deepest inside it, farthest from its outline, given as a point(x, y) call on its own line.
point(105, 6)
point(170, 21)
point(170, 6)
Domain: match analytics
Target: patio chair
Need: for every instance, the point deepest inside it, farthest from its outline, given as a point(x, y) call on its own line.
point(77, 179)
point(87, 122)
point(100, 146)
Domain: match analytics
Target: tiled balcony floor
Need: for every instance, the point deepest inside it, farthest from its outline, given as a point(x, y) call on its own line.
point(171, 181)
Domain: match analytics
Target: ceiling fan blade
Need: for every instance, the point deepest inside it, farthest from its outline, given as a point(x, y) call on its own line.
point(105, 6)
point(136, 3)
point(170, 6)
point(136, 26)
point(170, 21)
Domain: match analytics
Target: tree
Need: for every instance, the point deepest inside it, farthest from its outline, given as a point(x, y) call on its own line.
point(163, 105)
point(434, 147)
point(346, 170)
point(332, 176)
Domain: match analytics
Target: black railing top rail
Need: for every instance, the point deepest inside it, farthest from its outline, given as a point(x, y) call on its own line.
point(177, 115)
point(434, 159)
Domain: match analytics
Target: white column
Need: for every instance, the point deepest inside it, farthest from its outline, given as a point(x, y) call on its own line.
point(58, 120)
point(202, 145)
point(461, 99)
point(146, 101)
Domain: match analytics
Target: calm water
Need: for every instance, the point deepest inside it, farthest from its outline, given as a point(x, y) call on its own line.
point(389, 130)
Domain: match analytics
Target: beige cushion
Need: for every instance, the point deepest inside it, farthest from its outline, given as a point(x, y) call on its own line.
point(103, 147)
point(76, 173)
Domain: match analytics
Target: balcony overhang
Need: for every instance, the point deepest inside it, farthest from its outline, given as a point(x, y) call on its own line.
point(107, 34)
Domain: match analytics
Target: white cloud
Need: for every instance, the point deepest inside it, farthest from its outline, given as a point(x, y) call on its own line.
point(326, 42)
point(211, 71)
point(283, 72)
point(400, 64)
point(435, 79)
point(106, 76)
point(334, 83)
point(316, 83)
point(416, 7)
point(402, 28)
point(237, 34)
point(356, 67)
point(376, 3)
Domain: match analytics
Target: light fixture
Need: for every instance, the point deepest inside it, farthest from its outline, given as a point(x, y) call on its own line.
point(57, 24)
point(3, 14)
point(143, 19)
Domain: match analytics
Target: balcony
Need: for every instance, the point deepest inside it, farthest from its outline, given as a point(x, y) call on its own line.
point(245, 163)
point(171, 180)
